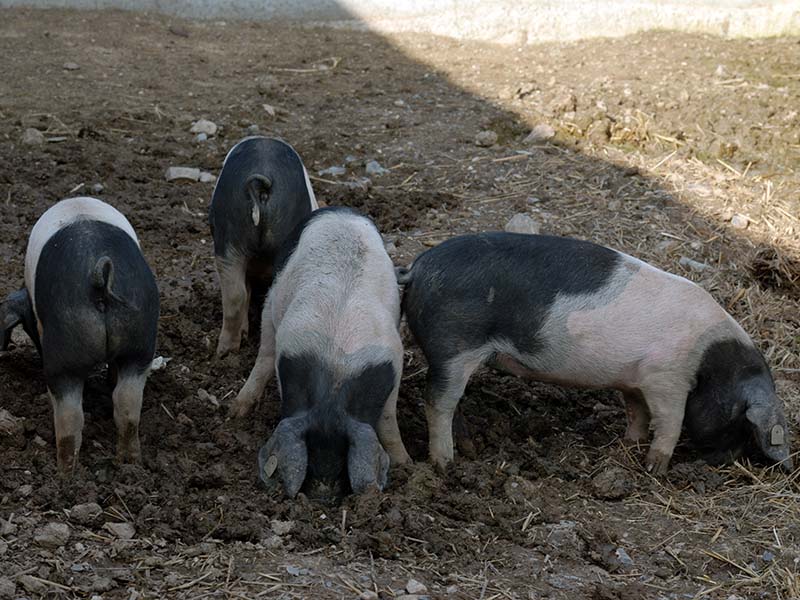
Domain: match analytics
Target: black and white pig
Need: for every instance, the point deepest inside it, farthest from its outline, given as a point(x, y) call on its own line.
point(262, 193)
point(330, 330)
point(90, 298)
point(571, 312)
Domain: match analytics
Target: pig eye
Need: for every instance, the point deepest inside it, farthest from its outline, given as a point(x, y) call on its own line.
point(777, 436)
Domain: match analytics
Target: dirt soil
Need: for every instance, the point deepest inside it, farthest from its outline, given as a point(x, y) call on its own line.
point(672, 147)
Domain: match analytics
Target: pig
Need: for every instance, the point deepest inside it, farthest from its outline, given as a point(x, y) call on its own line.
point(330, 330)
point(575, 313)
point(262, 193)
point(90, 298)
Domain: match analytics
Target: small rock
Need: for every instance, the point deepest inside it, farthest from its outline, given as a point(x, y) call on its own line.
point(38, 441)
point(7, 527)
point(3, 547)
point(272, 542)
point(766, 557)
point(206, 397)
point(391, 248)
point(451, 589)
point(486, 138)
point(623, 557)
point(720, 71)
point(362, 184)
point(206, 177)
point(32, 137)
point(31, 584)
point(85, 514)
point(102, 584)
point(267, 84)
point(334, 171)
point(124, 531)
point(189, 173)
point(52, 535)
point(71, 66)
point(612, 484)
point(204, 126)
point(727, 214)
point(12, 430)
point(296, 571)
point(415, 587)
point(740, 221)
point(7, 588)
point(694, 265)
point(368, 595)
point(522, 223)
point(25, 490)
point(253, 129)
point(201, 137)
point(541, 133)
point(281, 527)
point(666, 246)
point(374, 168)
point(98, 188)
point(159, 362)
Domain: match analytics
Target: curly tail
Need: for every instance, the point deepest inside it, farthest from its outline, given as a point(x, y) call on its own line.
point(102, 278)
point(403, 274)
point(257, 187)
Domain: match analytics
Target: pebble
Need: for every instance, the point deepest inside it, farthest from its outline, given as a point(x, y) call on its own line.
point(267, 84)
point(694, 265)
point(52, 535)
point(123, 531)
point(740, 221)
point(31, 585)
point(7, 588)
point(368, 595)
point(188, 173)
point(486, 138)
point(666, 245)
point(85, 514)
point(415, 587)
point(25, 490)
point(391, 248)
point(727, 214)
point(71, 66)
point(624, 557)
point(541, 133)
point(12, 429)
point(204, 126)
point(334, 171)
point(3, 547)
point(98, 188)
point(374, 168)
point(32, 137)
point(281, 527)
point(206, 177)
point(612, 483)
point(522, 223)
point(206, 397)
point(201, 137)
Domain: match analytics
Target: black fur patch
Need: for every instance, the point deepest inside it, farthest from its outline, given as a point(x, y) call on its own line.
point(473, 288)
point(76, 335)
point(308, 386)
point(230, 214)
point(715, 408)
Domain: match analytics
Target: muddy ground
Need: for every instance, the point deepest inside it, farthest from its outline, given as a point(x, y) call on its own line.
point(667, 146)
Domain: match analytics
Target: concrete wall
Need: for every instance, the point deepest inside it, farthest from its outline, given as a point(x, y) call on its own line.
point(504, 21)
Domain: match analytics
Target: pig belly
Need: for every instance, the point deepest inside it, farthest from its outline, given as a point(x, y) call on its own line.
point(623, 377)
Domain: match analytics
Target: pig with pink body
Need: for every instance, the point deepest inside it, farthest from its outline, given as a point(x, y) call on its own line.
point(329, 331)
point(575, 313)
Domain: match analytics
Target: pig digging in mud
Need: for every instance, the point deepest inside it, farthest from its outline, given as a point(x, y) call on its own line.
point(262, 193)
point(330, 330)
point(574, 313)
point(89, 298)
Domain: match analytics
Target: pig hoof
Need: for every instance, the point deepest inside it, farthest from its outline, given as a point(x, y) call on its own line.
point(225, 347)
point(240, 408)
point(657, 463)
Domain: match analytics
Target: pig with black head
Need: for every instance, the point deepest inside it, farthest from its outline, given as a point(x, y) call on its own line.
point(262, 193)
point(574, 313)
point(89, 298)
point(330, 330)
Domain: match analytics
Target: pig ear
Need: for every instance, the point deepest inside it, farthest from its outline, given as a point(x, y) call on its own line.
point(17, 309)
point(367, 461)
point(286, 453)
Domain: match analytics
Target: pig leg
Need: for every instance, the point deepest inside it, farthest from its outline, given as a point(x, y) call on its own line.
point(444, 390)
point(246, 319)
point(234, 303)
point(389, 431)
point(667, 404)
point(262, 371)
point(127, 397)
point(66, 394)
point(638, 416)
